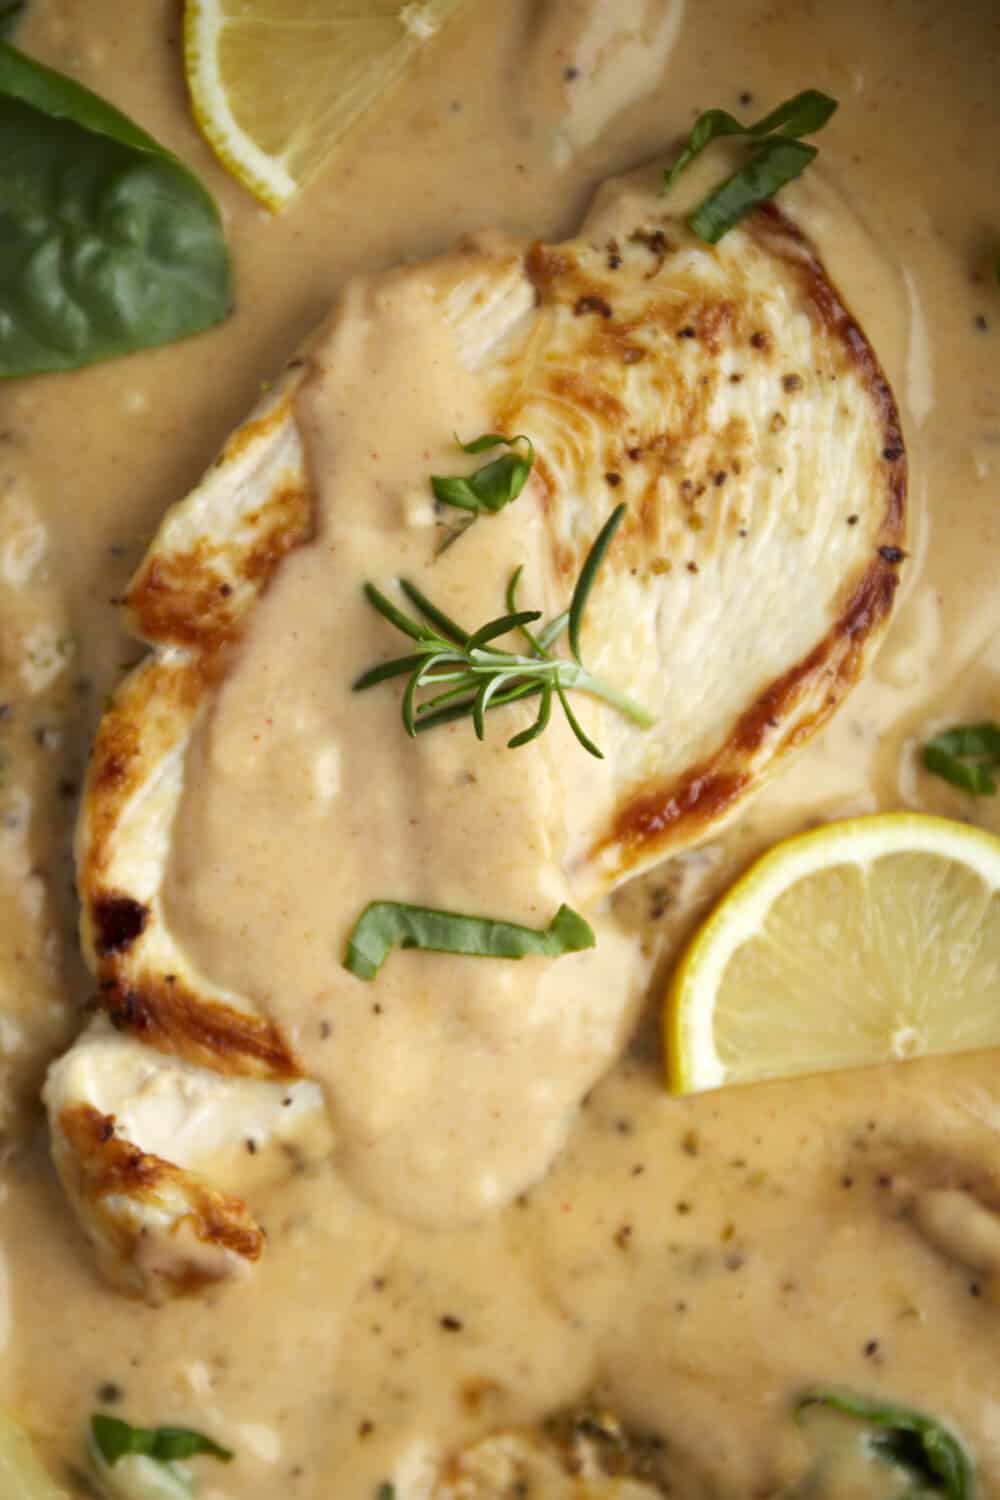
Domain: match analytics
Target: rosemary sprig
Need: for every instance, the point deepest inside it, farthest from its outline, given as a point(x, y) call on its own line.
point(464, 675)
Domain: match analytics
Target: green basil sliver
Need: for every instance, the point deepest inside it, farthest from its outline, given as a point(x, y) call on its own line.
point(115, 1439)
point(383, 924)
point(110, 244)
point(803, 114)
point(920, 1445)
point(777, 162)
point(965, 756)
point(494, 485)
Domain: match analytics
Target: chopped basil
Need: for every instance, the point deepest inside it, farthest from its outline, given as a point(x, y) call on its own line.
point(386, 1492)
point(925, 1450)
point(115, 1439)
point(382, 924)
point(779, 156)
point(965, 756)
point(776, 163)
point(110, 244)
point(490, 488)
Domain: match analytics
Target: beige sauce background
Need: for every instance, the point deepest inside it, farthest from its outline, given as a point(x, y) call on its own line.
point(697, 1262)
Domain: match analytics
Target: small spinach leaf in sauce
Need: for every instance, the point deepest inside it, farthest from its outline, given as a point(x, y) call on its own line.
point(779, 156)
point(382, 924)
point(918, 1445)
point(115, 1439)
point(110, 244)
point(965, 756)
point(491, 487)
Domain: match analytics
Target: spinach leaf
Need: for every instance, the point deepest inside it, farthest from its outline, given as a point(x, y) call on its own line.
point(382, 924)
point(110, 244)
point(919, 1445)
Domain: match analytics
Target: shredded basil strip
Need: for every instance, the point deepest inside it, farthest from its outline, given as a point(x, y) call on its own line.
point(801, 115)
point(907, 1439)
point(110, 244)
point(776, 163)
point(386, 1492)
point(115, 1439)
point(383, 924)
point(779, 156)
point(494, 485)
point(10, 14)
point(965, 756)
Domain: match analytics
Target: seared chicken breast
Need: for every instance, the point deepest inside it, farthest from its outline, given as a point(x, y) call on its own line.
point(729, 399)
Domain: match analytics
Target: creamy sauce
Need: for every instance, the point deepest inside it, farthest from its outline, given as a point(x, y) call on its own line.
point(697, 1262)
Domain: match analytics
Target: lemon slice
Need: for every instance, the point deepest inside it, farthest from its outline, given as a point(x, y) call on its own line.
point(862, 942)
point(275, 84)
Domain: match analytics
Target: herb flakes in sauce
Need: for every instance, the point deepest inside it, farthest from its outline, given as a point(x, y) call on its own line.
point(490, 488)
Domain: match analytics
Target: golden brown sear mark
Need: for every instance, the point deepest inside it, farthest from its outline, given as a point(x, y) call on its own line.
point(109, 1167)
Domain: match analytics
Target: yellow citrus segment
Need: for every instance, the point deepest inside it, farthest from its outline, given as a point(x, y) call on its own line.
point(862, 942)
point(275, 84)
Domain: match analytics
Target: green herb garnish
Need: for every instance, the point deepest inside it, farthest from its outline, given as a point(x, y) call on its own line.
point(919, 1445)
point(476, 680)
point(114, 1439)
point(110, 244)
point(779, 156)
point(965, 756)
point(386, 1492)
point(382, 924)
point(490, 488)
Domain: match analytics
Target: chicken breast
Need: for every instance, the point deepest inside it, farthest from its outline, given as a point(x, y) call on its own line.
point(728, 398)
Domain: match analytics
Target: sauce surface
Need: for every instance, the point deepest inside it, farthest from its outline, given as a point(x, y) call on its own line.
point(695, 1262)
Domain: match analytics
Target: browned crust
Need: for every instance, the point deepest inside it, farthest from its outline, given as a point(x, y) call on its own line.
point(668, 813)
point(199, 600)
point(106, 1166)
point(160, 1011)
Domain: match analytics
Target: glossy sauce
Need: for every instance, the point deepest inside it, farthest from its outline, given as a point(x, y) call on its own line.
point(696, 1262)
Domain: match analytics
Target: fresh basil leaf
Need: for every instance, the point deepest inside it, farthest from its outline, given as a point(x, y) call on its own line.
point(110, 244)
point(965, 756)
point(10, 14)
point(908, 1439)
point(493, 486)
point(803, 114)
point(115, 1439)
point(778, 161)
point(382, 924)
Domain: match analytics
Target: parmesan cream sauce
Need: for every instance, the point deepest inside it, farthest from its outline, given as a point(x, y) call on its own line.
point(696, 1261)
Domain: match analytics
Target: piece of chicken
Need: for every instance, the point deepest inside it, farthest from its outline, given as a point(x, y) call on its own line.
point(730, 400)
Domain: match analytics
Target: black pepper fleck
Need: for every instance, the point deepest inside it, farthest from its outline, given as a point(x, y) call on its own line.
point(613, 479)
point(451, 1324)
point(891, 554)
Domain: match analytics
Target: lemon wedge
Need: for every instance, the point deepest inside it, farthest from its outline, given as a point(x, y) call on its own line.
point(866, 941)
point(275, 84)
